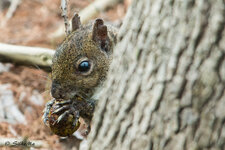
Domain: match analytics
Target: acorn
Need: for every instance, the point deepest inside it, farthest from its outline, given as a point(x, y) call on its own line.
point(62, 123)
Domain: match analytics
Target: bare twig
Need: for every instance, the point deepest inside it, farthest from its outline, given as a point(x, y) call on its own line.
point(12, 8)
point(89, 13)
point(65, 15)
point(41, 57)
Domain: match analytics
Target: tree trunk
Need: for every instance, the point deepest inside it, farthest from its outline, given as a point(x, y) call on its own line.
point(166, 85)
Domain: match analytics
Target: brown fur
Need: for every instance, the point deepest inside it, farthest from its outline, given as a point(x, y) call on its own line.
point(80, 45)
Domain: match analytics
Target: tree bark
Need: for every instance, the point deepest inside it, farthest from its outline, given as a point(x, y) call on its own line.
point(166, 84)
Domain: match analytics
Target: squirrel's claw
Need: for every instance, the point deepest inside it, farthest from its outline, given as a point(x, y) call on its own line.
point(63, 102)
point(61, 109)
point(47, 110)
point(63, 116)
point(62, 106)
point(70, 111)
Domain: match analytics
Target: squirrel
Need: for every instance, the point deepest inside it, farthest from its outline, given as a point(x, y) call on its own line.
point(79, 69)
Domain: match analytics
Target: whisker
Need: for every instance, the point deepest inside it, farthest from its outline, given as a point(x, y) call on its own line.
point(46, 77)
point(40, 81)
point(41, 69)
point(44, 92)
point(37, 66)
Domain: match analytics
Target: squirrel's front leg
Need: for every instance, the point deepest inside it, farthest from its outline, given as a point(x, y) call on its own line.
point(86, 109)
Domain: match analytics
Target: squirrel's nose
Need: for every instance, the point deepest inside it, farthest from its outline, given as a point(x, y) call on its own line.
point(56, 91)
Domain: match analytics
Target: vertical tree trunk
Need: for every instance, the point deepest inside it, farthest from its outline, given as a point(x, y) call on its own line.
point(166, 85)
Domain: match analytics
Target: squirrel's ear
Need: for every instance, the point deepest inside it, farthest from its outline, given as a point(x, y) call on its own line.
point(76, 24)
point(100, 34)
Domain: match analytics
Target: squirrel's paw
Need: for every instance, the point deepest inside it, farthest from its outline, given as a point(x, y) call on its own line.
point(65, 109)
point(47, 111)
point(61, 117)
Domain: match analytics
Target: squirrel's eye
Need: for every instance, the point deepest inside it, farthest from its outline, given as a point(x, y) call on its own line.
point(84, 66)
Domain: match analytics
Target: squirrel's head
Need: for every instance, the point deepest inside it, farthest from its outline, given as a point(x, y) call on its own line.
point(81, 62)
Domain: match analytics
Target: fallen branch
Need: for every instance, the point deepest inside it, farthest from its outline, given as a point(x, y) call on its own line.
point(32, 56)
point(88, 13)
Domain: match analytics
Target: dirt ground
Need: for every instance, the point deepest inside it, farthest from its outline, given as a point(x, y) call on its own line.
point(30, 25)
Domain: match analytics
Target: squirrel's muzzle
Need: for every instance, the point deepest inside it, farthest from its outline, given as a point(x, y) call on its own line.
point(59, 92)
point(56, 92)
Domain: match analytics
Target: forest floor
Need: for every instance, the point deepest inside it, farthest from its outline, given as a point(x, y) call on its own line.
point(31, 25)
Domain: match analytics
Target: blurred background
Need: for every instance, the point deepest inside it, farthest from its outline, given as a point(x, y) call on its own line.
point(24, 90)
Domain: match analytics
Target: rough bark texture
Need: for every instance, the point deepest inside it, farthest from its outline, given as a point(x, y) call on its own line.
point(166, 85)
